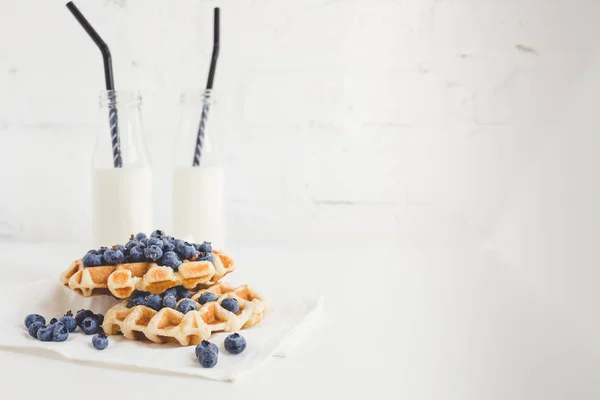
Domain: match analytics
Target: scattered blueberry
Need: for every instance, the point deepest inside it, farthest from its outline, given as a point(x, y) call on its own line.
point(89, 326)
point(113, 256)
point(186, 306)
point(183, 293)
point(92, 260)
point(205, 247)
point(153, 253)
point(100, 341)
point(205, 344)
point(99, 319)
point(136, 254)
point(44, 333)
point(140, 236)
point(206, 257)
point(69, 321)
point(230, 304)
point(170, 259)
point(169, 301)
point(207, 358)
point(157, 233)
point(207, 297)
point(81, 315)
point(34, 327)
point(60, 333)
point(31, 318)
point(154, 301)
point(235, 343)
point(137, 301)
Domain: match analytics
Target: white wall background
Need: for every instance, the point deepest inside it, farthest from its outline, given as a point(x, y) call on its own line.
point(361, 120)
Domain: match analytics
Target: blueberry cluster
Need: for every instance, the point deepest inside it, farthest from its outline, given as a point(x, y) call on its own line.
point(58, 330)
point(207, 353)
point(171, 298)
point(159, 248)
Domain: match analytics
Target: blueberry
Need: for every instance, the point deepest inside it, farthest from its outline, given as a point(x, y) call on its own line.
point(169, 301)
point(168, 246)
point(69, 321)
point(100, 341)
point(153, 253)
point(187, 252)
point(207, 358)
point(206, 345)
point(183, 293)
point(31, 318)
point(170, 259)
point(186, 306)
point(136, 301)
point(92, 260)
point(136, 254)
point(44, 333)
point(89, 326)
point(235, 343)
point(207, 297)
point(53, 321)
point(178, 242)
point(81, 315)
point(140, 236)
point(205, 247)
point(131, 244)
point(154, 301)
point(121, 248)
point(60, 333)
point(155, 242)
point(34, 327)
point(101, 250)
point(169, 291)
point(99, 319)
point(113, 256)
point(206, 257)
point(157, 234)
point(230, 304)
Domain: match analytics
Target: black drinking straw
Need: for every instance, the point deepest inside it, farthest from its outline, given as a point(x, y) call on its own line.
point(108, 77)
point(209, 86)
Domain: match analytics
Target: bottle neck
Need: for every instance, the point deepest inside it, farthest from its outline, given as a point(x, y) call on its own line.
point(120, 136)
point(197, 142)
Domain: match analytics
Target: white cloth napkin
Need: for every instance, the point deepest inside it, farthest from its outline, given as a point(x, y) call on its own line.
point(288, 323)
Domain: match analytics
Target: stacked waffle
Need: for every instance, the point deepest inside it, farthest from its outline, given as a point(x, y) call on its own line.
point(171, 267)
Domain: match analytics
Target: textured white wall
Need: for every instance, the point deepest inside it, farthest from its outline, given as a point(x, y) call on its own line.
point(341, 112)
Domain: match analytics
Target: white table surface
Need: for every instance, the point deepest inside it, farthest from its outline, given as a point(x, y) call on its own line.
point(411, 323)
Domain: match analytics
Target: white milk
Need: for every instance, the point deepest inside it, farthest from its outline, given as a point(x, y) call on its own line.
point(198, 209)
point(121, 204)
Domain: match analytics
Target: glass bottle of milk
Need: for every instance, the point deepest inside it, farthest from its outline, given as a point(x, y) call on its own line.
point(198, 171)
point(121, 171)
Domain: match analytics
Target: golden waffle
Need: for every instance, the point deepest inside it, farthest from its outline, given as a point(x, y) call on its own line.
point(169, 325)
point(122, 280)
